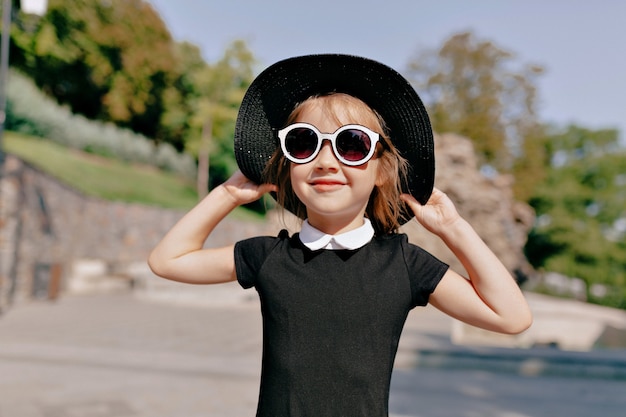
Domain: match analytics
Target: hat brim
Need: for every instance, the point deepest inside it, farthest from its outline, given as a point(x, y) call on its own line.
point(275, 92)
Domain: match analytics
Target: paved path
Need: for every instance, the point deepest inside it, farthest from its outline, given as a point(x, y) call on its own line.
point(115, 356)
point(119, 356)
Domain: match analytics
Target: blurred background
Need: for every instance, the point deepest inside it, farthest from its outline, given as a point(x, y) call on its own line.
point(116, 116)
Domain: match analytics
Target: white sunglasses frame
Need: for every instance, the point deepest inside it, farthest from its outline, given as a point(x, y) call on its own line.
point(332, 137)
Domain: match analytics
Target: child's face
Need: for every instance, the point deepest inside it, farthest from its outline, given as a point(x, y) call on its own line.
point(335, 194)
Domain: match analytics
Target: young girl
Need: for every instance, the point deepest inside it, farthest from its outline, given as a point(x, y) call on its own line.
point(345, 144)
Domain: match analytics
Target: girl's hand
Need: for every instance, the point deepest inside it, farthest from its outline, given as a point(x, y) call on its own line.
point(437, 214)
point(244, 191)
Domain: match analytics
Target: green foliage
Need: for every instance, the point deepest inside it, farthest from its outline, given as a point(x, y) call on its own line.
point(111, 61)
point(531, 165)
point(581, 212)
point(116, 62)
point(212, 95)
point(33, 113)
point(471, 88)
point(217, 93)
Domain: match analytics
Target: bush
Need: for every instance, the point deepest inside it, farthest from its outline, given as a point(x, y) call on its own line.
point(31, 112)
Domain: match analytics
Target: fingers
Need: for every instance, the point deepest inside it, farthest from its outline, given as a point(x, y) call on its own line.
point(435, 195)
point(408, 198)
point(267, 188)
point(414, 205)
point(244, 190)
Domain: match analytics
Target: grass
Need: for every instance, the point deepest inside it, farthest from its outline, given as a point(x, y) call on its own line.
point(108, 178)
point(101, 177)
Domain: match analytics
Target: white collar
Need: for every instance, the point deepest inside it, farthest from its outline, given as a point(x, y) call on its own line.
point(315, 239)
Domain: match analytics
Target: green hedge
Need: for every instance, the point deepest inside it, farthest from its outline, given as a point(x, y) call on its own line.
point(31, 112)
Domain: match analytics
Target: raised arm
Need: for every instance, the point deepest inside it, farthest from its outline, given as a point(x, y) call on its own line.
point(489, 298)
point(180, 256)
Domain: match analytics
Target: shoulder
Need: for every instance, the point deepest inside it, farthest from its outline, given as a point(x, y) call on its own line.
point(254, 251)
point(262, 243)
point(393, 240)
point(251, 254)
point(400, 241)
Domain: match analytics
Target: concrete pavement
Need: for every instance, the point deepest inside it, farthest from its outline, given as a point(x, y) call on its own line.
point(123, 354)
point(116, 356)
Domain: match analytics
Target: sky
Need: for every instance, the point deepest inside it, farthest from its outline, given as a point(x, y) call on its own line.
point(580, 43)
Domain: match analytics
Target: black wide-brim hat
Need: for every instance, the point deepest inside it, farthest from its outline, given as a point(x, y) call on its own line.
point(273, 95)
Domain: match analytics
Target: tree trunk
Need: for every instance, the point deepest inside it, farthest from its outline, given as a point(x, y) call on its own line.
point(202, 183)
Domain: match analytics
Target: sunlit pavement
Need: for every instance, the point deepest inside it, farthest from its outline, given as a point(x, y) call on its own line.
point(117, 355)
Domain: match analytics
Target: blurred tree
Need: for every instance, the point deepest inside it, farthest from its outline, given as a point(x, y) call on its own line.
point(531, 163)
point(179, 96)
point(471, 88)
point(581, 212)
point(108, 60)
point(214, 94)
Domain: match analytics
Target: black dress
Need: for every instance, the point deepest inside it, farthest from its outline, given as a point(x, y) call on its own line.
point(332, 320)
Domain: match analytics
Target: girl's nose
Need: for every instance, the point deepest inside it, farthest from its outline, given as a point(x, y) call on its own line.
point(326, 158)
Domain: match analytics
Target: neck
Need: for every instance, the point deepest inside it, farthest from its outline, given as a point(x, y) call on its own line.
point(334, 226)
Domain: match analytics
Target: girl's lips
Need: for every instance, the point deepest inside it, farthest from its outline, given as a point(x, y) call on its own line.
point(326, 185)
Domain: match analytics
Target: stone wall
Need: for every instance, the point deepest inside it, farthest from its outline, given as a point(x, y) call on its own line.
point(46, 227)
point(485, 201)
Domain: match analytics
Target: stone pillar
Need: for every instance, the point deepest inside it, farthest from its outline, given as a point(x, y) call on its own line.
point(10, 223)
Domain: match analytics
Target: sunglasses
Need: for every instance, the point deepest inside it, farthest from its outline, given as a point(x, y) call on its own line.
point(352, 144)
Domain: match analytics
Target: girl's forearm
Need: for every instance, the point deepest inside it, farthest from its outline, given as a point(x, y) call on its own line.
point(489, 277)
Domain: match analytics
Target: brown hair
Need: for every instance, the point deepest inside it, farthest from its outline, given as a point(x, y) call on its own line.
point(384, 209)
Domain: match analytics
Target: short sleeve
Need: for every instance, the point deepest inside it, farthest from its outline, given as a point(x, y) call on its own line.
point(250, 255)
point(425, 272)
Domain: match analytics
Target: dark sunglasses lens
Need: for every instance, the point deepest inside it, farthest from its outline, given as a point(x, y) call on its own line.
point(353, 144)
point(301, 142)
